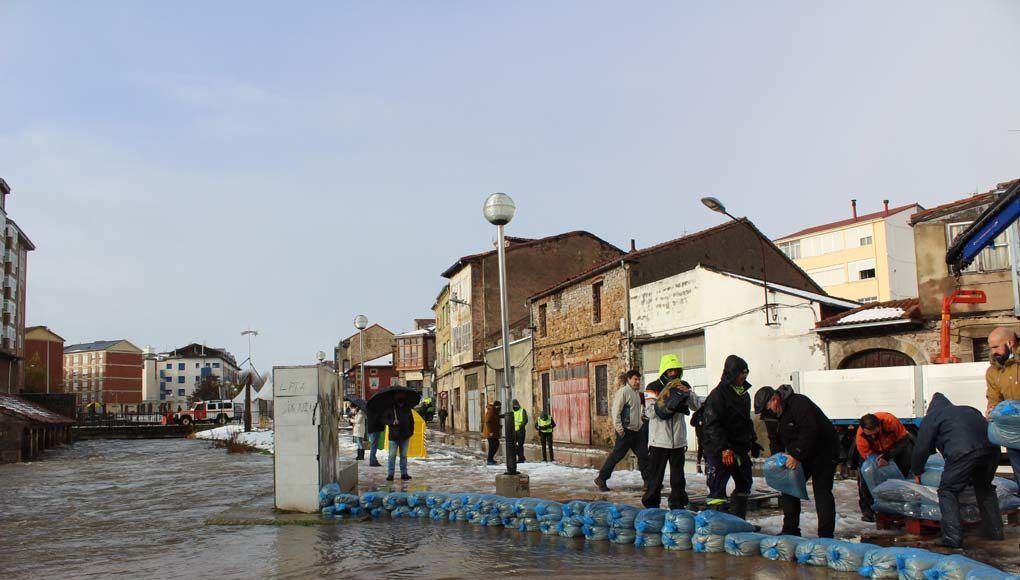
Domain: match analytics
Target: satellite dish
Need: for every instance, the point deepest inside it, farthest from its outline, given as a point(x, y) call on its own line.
point(320, 355)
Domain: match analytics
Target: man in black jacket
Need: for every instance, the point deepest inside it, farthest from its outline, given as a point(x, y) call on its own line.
point(808, 438)
point(374, 428)
point(960, 434)
point(401, 423)
point(728, 438)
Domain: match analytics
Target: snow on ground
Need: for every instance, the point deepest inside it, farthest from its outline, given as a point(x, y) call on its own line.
point(449, 468)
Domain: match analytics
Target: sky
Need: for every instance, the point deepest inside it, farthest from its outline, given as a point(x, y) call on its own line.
point(191, 169)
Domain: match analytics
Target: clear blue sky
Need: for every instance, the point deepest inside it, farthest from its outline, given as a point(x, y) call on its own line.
point(188, 169)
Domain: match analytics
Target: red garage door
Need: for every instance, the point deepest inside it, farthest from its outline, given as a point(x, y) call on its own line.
point(569, 393)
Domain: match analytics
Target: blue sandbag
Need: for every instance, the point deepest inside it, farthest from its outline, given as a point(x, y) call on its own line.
point(595, 533)
point(622, 535)
point(957, 567)
point(525, 507)
point(1006, 412)
point(378, 512)
point(1007, 436)
point(914, 566)
point(510, 523)
point(648, 539)
point(329, 511)
point(528, 525)
point(400, 512)
point(574, 511)
point(328, 493)
point(781, 547)
point(434, 499)
point(814, 552)
point(421, 512)
point(788, 481)
point(549, 511)
point(623, 516)
point(418, 498)
point(567, 528)
point(719, 523)
point(372, 499)
point(597, 513)
point(848, 556)
point(505, 507)
point(548, 528)
point(396, 499)
point(708, 543)
point(873, 475)
point(744, 543)
point(438, 513)
point(679, 522)
point(676, 541)
point(650, 520)
point(885, 562)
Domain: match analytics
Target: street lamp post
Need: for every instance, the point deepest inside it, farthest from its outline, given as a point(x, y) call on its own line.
point(361, 323)
point(499, 209)
point(247, 381)
point(715, 205)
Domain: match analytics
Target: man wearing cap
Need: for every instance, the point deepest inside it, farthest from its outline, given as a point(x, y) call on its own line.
point(808, 438)
point(729, 438)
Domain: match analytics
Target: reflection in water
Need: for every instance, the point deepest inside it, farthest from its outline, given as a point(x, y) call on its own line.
point(138, 508)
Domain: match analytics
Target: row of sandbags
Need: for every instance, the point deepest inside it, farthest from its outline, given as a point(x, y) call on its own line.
point(708, 531)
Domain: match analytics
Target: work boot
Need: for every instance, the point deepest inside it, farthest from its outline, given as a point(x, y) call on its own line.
point(389, 478)
point(738, 506)
point(374, 464)
point(601, 484)
point(405, 477)
point(360, 456)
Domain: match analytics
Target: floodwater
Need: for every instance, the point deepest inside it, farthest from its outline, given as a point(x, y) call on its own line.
point(137, 509)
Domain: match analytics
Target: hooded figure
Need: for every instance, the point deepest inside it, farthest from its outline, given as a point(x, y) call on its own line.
point(520, 427)
point(490, 429)
point(729, 438)
point(667, 441)
point(545, 426)
point(960, 434)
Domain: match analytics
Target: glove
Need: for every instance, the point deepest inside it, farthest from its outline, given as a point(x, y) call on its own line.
point(756, 450)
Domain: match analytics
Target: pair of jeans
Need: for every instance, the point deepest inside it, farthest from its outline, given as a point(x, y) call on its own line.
point(977, 469)
point(396, 446)
point(900, 455)
point(821, 474)
point(629, 441)
point(373, 443)
point(1014, 460)
point(520, 446)
point(547, 441)
point(718, 474)
point(658, 458)
point(493, 448)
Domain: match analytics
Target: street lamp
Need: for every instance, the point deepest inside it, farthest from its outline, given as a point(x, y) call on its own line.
point(717, 206)
point(248, 380)
point(361, 323)
point(499, 209)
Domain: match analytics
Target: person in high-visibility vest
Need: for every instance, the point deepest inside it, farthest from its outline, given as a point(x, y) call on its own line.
point(545, 425)
point(520, 426)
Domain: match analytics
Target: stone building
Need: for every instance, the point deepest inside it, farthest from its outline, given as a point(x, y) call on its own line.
point(347, 355)
point(471, 309)
point(521, 358)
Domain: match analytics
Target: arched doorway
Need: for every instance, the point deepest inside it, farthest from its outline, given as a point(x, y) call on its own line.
point(877, 357)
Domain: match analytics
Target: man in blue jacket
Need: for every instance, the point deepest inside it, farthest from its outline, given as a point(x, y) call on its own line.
point(960, 434)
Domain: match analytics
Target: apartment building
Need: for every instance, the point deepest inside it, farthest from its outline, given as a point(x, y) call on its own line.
point(16, 247)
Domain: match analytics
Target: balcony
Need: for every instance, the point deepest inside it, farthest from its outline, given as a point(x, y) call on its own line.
point(11, 307)
point(10, 282)
point(11, 257)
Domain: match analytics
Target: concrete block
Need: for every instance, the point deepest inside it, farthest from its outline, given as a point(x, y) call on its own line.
point(518, 485)
point(347, 476)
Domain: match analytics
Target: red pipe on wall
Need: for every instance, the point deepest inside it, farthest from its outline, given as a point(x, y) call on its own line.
point(957, 297)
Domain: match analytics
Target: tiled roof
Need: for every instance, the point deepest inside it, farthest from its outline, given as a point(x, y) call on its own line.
point(14, 405)
point(849, 221)
point(516, 243)
point(891, 310)
point(91, 346)
point(960, 204)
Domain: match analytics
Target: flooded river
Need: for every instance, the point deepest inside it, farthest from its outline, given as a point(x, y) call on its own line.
point(137, 509)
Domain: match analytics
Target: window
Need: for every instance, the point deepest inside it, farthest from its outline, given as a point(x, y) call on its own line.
point(180, 392)
point(821, 244)
point(866, 241)
point(791, 249)
point(471, 381)
point(994, 257)
point(198, 365)
point(868, 299)
point(216, 365)
point(862, 270)
point(546, 393)
point(601, 390)
point(860, 236)
point(829, 276)
point(180, 379)
point(456, 399)
point(981, 350)
point(180, 366)
point(169, 366)
point(207, 364)
point(596, 302)
point(542, 328)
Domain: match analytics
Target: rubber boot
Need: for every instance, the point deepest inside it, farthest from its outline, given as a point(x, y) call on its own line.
point(738, 505)
point(991, 519)
point(361, 455)
point(952, 526)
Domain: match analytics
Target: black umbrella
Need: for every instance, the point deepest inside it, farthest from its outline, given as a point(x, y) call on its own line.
point(359, 403)
point(382, 401)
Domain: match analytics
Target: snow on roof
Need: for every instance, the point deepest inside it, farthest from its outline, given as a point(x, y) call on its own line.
point(25, 409)
point(384, 361)
point(889, 312)
point(873, 314)
point(428, 330)
point(796, 291)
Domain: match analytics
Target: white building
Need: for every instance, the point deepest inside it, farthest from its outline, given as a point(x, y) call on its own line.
point(180, 371)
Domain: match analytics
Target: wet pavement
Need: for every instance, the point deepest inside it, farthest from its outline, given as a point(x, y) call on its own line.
point(140, 509)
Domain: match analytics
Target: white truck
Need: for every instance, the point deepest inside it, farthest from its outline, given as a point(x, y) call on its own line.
point(220, 412)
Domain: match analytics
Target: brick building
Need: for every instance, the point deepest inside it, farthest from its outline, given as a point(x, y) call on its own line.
point(347, 355)
point(104, 372)
point(15, 265)
point(471, 310)
point(378, 375)
point(44, 360)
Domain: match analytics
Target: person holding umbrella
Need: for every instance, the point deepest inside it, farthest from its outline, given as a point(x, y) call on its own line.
point(395, 405)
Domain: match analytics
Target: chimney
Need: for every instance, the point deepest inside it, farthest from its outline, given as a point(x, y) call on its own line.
point(853, 205)
point(886, 203)
point(633, 246)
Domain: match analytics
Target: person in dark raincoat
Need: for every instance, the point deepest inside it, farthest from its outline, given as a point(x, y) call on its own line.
point(960, 434)
point(401, 427)
point(729, 438)
point(809, 440)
